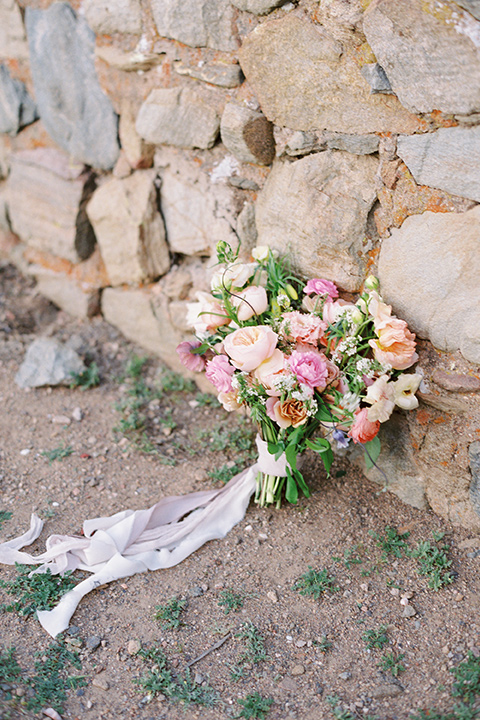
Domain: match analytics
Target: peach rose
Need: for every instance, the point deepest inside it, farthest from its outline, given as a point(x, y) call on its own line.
point(269, 370)
point(287, 413)
point(229, 400)
point(248, 347)
point(363, 430)
point(395, 345)
point(249, 302)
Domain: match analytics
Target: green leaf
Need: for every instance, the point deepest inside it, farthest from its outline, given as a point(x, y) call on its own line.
point(291, 455)
point(275, 449)
point(291, 491)
point(372, 451)
point(322, 446)
point(301, 482)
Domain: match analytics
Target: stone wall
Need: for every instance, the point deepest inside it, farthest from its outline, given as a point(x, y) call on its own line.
point(135, 134)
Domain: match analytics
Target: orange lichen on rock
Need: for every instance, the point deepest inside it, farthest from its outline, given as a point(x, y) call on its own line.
point(91, 272)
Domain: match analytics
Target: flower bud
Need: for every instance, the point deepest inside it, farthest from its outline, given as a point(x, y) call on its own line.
point(292, 292)
point(260, 253)
point(372, 283)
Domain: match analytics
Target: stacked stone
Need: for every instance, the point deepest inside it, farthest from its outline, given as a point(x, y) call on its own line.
point(135, 135)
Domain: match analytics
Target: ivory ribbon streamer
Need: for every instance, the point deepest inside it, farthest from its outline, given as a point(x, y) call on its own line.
point(131, 541)
point(267, 463)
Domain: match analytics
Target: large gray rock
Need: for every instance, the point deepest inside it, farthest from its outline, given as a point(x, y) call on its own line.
point(317, 208)
point(45, 199)
point(448, 159)
point(13, 41)
point(130, 229)
point(198, 23)
point(17, 108)
point(75, 111)
point(197, 212)
point(48, 362)
point(180, 117)
point(430, 53)
point(429, 270)
point(247, 134)
point(258, 7)
point(107, 17)
point(291, 58)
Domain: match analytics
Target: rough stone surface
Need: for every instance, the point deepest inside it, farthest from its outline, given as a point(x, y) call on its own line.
point(429, 271)
point(46, 197)
point(180, 117)
point(74, 109)
point(13, 41)
point(221, 74)
point(473, 6)
point(396, 468)
point(356, 144)
point(474, 456)
point(48, 362)
point(247, 134)
point(430, 52)
point(129, 228)
point(197, 213)
point(317, 207)
point(448, 159)
point(138, 153)
point(198, 23)
point(375, 75)
point(107, 17)
point(17, 108)
point(258, 7)
point(456, 382)
point(291, 58)
point(246, 227)
point(76, 299)
point(402, 197)
point(129, 61)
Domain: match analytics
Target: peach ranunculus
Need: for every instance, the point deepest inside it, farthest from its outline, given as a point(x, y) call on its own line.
point(249, 302)
point(271, 370)
point(303, 328)
point(287, 413)
point(206, 314)
point(363, 430)
point(248, 347)
point(395, 344)
point(381, 396)
point(379, 310)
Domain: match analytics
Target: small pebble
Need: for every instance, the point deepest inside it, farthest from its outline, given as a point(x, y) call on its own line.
point(196, 591)
point(93, 642)
point(77, 414)
point(198, 678)
point(61, 420)
point(345, 676)
point(297, 670)
point(385, 691)
point(25, 451)
point(289, 685)
point(100, 682)
point(133, 647)
point(272, 596)
point(89, 704)
point(408, 611)
point(248, 528)
point(395, 592)
point(300, 643)
point(458, 597)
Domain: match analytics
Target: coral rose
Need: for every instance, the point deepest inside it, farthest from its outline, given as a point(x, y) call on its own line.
point(248, 347)
point(363, 430)
point(395, 345)
point(229, 400)
point(287, 413)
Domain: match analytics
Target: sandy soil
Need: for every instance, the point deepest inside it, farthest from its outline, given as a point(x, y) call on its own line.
point(261, 559)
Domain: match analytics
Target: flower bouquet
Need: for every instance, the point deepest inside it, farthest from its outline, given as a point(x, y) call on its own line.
point(310, 368)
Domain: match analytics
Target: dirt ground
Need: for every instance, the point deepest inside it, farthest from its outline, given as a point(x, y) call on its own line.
point(261, 560)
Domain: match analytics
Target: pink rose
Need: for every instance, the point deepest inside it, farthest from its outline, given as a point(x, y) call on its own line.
point(191, 360)
point(248, 347)
point(310, 369)
point(395, 345)
point(319, 286)
point(303, 328)
point(219, 372)
point(249, 302)
point(363, 430)
point(270, 370)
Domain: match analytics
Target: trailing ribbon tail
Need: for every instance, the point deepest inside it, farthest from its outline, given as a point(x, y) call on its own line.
point(131, 542)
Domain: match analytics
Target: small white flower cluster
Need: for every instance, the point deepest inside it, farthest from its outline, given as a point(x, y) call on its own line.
point(285, 383)
point(283, 300)
point(350, 401)
point(347, 346)
point(365, 367)
point(303, 394)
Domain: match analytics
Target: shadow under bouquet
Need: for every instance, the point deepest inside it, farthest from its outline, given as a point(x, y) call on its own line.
point(312, 369)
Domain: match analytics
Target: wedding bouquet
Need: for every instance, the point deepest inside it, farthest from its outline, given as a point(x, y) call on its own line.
point(310, 368)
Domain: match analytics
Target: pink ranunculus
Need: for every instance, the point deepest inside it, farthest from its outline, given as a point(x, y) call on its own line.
point(333, 310)
point(363, 430)
point(270, 370)
point(219, 371)
point(249, 302)
point(192, 361)
point(248, 347)
point(319, 286)
point(310, 369)
point(395, 345)
point(303, 328)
